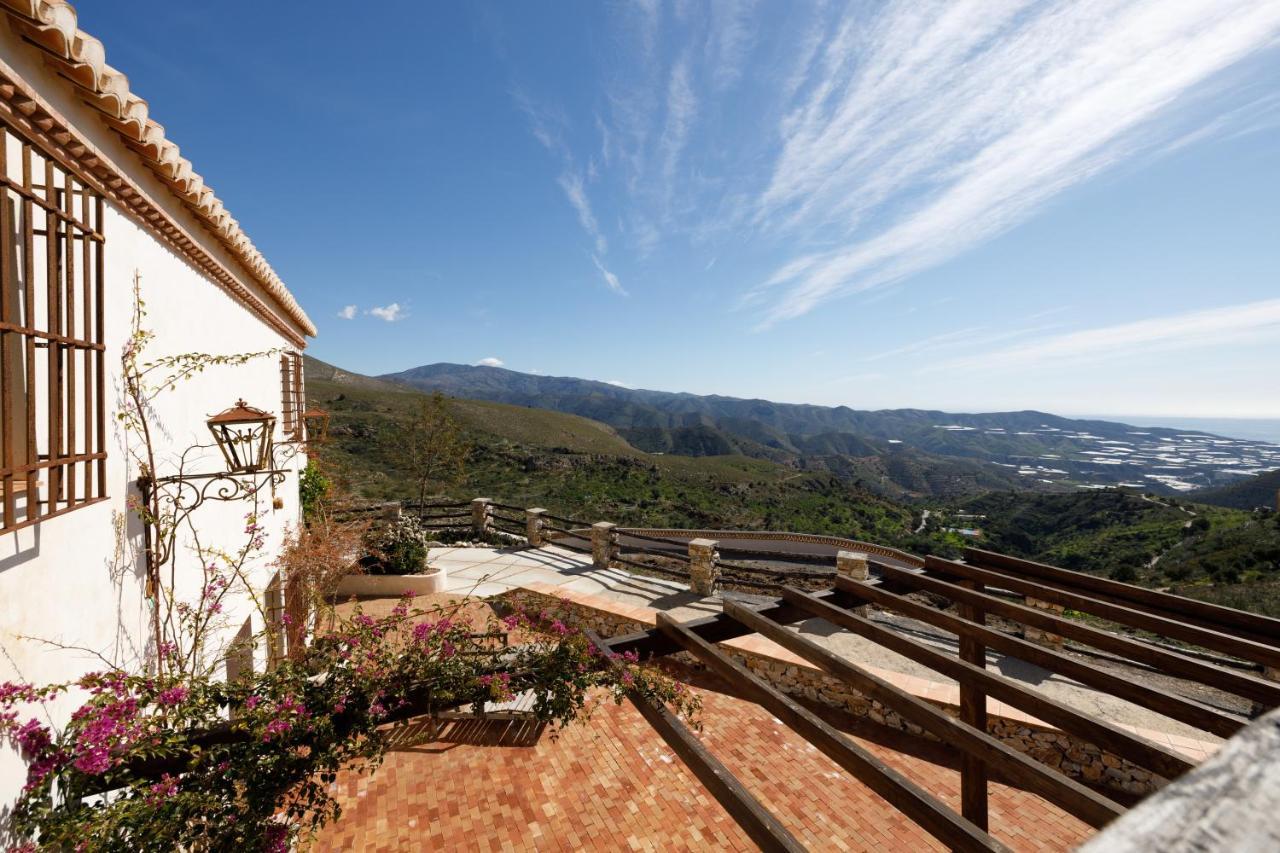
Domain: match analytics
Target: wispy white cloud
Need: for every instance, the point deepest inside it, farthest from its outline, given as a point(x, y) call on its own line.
point(879, 140)
point(956, 121)
point(732, 33)
point(946, 339)
point(348, 312)
point(618, 383)
point(574, 190)
point(1234, 324)
point(547, 127)
point(969, 337)
point(609, 278)
point(390, 313)
point(682, 104)
point(491, 361)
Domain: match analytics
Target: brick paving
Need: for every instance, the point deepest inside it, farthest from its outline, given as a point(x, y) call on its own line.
point(613, 784)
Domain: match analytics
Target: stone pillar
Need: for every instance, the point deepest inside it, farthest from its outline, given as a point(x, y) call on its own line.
point(853, 565)
point(703, 571)
point(1038, 635)
point(533, 521)
point(392, 511)
point(603, 541)
point(481, 523)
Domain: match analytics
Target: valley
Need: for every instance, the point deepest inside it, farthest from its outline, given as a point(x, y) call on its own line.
point(914, 500)
point(900, 453)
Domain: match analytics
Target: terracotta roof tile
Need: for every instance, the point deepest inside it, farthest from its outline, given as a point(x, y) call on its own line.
point(81, 59)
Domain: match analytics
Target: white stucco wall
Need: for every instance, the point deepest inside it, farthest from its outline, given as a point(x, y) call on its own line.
point(77, 580)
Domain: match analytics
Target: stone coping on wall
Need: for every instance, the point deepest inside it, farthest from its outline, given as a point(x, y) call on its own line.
point(838, 542)
point(939, 693)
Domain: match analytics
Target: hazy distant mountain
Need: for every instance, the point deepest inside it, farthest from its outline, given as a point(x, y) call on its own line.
point(1036, 449)
point(1257, 429)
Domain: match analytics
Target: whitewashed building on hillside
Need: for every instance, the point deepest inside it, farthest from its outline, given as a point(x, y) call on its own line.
point(93, 199)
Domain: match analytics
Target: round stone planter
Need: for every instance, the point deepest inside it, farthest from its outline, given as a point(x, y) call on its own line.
point(392, 586)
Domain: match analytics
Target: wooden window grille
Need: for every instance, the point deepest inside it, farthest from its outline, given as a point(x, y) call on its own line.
point(52, 357)
point(275, 621)
point(240, 654)
point(293, 390)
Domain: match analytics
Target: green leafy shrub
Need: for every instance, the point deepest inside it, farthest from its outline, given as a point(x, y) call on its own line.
point(403, 547)
point(195, 763)
point(313, 488)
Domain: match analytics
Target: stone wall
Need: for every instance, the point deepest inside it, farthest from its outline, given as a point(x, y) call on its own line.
point(1076, 758)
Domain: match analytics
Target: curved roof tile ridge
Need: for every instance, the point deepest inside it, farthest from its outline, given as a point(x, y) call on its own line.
point(81, 59)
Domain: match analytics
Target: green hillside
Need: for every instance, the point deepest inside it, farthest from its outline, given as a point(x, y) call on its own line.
point(580, 467)
point(1249, 493)
point(1215, 553)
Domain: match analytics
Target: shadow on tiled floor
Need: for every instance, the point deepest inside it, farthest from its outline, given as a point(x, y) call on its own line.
point(417, 736)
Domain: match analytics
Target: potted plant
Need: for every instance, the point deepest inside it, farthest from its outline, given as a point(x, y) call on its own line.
point(400, 563)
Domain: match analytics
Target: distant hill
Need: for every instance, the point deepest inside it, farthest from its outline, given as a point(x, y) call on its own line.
point(583, 468)
point(1258, 490)
point(1026, 450)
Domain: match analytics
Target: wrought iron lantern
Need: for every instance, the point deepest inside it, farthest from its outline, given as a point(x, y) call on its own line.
point(244, 435)
point(315, 423)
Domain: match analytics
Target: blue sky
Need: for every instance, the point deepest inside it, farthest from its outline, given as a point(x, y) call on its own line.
point(961, 205)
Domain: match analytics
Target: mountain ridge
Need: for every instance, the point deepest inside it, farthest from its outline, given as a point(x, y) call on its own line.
point(1038, 450)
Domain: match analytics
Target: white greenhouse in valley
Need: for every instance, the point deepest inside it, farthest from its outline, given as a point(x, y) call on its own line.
point(97, 204)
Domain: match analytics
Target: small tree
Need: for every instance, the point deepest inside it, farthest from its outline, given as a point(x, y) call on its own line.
point(436, 449)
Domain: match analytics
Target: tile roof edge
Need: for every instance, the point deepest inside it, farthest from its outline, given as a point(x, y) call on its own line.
point(51, 26)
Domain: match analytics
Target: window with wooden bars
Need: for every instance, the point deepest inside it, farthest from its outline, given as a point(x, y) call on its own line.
point(239, 662)
point(52, 357)
point(275, 621)
point(294, 396)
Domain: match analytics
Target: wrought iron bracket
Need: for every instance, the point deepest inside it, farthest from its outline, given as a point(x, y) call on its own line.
point(195, 489)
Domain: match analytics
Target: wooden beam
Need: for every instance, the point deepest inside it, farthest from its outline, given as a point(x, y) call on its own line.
point(1021, 770)
point(716, 628)
point(973, 710)
point(1166, 762)
point(913, 801)
point(1178, 630)
point(1241, 684)
point(719, 628)
point(756, 821)
point(1253, 626)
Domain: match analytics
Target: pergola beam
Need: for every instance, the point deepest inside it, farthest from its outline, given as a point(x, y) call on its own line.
point(1241, 684)
point(756, 821)
point(1009, 690)
point(1253, 626)
point(916, 803)
point(1026, 772)
point(1125, 615)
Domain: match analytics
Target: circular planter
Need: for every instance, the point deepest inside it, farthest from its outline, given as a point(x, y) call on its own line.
point(392, 586)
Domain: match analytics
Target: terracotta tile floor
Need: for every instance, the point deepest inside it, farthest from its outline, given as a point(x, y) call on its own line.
point(613, 784)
